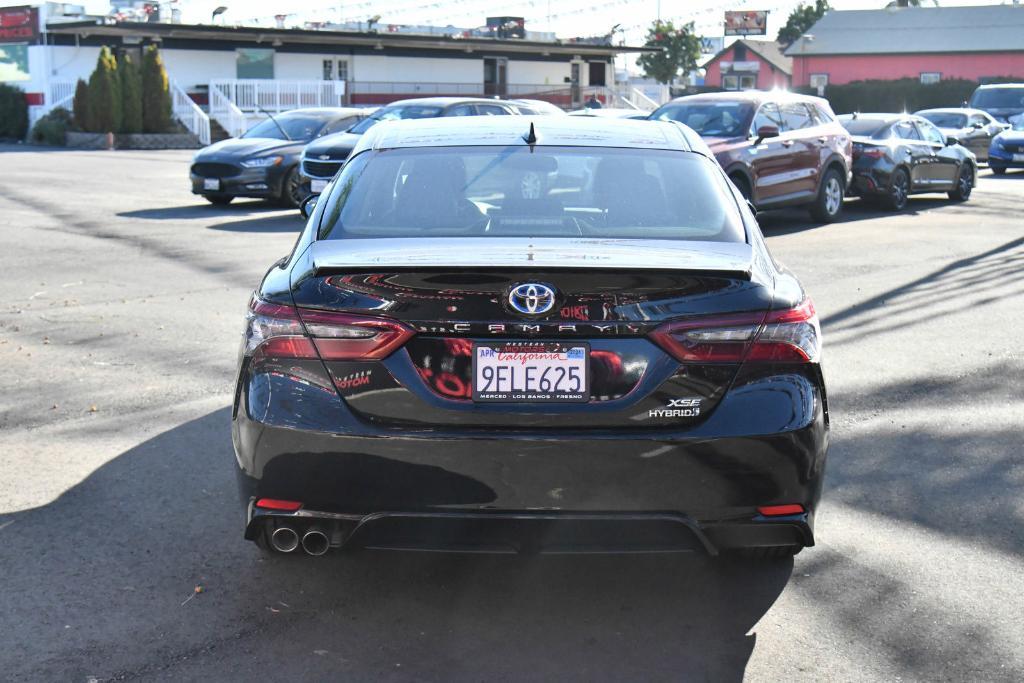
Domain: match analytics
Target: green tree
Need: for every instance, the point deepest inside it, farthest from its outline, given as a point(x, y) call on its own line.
point(80, 106)
point(131, 95)
point(105, 95)
point(13, 112)
point(156, 100)
point(680, 50)
point(801, 19)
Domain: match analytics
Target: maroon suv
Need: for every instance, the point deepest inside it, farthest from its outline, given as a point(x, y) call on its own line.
point(781, 149)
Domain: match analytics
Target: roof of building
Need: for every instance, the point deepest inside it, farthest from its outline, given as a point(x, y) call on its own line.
point(278, 37)
point(512, 130)
point(768, 50)
point(902, 30)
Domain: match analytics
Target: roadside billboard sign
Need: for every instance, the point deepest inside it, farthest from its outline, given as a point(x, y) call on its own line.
point(19, 24)
point(746, 23)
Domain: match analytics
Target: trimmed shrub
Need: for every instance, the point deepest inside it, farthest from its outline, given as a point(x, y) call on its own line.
point(52, 129)
point(13, 112)
point(80, 106)
point(105, 113)
point(156, 100)
point(904, 94)
point(131, 95)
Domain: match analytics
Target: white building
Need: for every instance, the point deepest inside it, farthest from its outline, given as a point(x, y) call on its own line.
point(228, 73)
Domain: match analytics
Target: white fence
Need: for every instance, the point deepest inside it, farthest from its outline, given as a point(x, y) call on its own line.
point(58, 93)
point(255, 95)
point(229, 116)
point(189, 113)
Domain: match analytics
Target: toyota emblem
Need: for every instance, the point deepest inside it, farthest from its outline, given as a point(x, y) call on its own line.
point(532, 298)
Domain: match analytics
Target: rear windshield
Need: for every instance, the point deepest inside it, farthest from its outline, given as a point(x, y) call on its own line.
point(944, 119)
point(285, 127)
point(544, 192)
point(866, 127)
point(403, 111)
point(710, 119)
point(998, 98)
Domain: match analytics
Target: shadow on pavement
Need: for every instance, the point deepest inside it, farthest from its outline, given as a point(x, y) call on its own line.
point(124, 548)
point(787, 221)
point(290, 222)
point(202, 209)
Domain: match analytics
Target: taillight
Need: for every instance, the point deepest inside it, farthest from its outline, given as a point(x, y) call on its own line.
point(279, 331)
point(792, 335)
point(869, 151)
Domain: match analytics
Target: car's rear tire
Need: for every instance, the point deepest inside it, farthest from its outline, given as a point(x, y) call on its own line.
point(997, 170)
point(218, 199)
point(899, 190)
point(829, 203)
point(961, 192)
point(292, 192)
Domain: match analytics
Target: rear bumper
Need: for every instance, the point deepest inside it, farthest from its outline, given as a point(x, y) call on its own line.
point(540, 532)
point(698, 488)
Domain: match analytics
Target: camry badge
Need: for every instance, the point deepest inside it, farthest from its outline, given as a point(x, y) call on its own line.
point(532, 298)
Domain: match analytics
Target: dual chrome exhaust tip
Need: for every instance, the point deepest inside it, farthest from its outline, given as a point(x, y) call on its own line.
point(285, 539)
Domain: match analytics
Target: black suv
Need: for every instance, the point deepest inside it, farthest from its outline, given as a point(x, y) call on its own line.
point(323, 158)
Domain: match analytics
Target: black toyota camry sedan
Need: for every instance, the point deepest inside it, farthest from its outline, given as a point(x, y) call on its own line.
point(897, 155)
point(264, 161)
point(530, 334)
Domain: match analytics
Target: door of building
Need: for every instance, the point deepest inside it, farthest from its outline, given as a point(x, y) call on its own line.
point(496, 76)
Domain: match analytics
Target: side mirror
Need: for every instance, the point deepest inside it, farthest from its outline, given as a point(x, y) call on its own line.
point(308, 204)
point(951, 140)
point(765, 132)
point(977, 125)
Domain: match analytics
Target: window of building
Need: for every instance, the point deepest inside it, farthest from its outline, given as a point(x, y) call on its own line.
point(738, 82)
point(819, 82)
point(930, 77)
point(342, 69)
point(254, 62)
point(739, 52)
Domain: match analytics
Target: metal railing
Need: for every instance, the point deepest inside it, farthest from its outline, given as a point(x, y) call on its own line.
point(224, 111)
point(189, 113)
point(58, 93)
point(252, 95)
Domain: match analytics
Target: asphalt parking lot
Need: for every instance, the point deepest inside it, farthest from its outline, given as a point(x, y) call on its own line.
point(123, 303)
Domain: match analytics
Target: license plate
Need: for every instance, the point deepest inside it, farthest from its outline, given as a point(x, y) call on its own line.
point(317, 186)
point(531, 372)
point(211, 183)
point(1018, 157)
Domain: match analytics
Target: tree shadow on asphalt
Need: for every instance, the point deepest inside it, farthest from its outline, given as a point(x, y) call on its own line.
point(94, 583)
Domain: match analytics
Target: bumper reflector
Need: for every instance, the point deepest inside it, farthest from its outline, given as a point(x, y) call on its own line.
point(780, 510)
point(274, 504)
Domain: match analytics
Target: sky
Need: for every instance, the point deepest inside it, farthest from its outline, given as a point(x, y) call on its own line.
point(567, 18)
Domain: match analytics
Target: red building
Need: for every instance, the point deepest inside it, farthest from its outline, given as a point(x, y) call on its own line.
point(929, 43)
point(749, 65)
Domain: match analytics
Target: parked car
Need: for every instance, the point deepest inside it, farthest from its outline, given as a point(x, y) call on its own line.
point(468, 350)
point(264, 161)
point(322, 159)
point(974, 128)
point(897, 155)
point(1007, 150)
point(611, 113)
point(1004, 101)
point(528, 107)
point(780, 149)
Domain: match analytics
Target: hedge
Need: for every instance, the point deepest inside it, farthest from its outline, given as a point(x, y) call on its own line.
point(904, 94)
point(52, 129)
point(13, 112)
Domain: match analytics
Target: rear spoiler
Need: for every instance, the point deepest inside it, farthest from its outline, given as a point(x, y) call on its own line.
point(731, 259)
